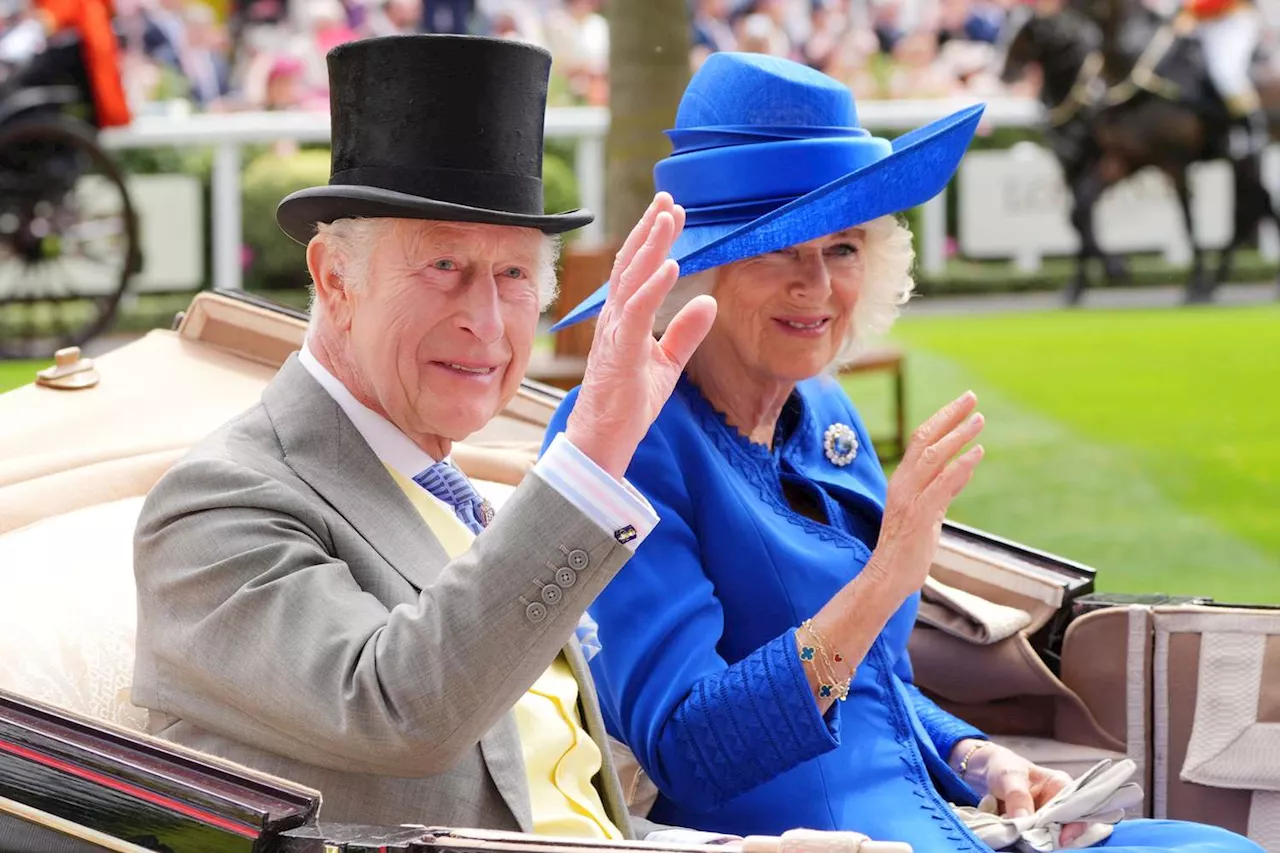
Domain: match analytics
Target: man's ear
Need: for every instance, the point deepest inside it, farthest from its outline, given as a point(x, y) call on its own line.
point(333, 292)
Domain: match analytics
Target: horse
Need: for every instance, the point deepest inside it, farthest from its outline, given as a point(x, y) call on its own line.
point(1064, 46)
point(1124, 95)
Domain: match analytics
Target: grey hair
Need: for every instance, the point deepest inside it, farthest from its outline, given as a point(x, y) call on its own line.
point(888, 258)
point(355, 239)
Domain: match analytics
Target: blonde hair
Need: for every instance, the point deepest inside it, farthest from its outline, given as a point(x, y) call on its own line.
point(354, 240)
point(887, 284)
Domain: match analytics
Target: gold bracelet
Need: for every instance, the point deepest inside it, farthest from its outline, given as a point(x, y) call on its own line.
point(829, 683)
point(964, 762)
point(822, 644)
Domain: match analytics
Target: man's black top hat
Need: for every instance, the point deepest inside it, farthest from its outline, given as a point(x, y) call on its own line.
point(434, 127)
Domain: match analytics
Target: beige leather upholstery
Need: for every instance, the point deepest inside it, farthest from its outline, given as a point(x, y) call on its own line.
point(1216, 733)
point(77, 567)
point(1068, 757)
point(979, 664)
point(68, 612)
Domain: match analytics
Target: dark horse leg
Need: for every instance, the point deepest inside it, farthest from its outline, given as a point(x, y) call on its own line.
point(1086, 189)
point(1253, 204)
point(1198, 289)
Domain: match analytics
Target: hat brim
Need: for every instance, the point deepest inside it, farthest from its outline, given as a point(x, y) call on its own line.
point(920, 166)
point(300, 212)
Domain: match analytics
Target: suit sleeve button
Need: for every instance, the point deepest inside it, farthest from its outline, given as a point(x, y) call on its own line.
point(551, 594)
point(578, 560)
point(566, 577)
point(536, 612)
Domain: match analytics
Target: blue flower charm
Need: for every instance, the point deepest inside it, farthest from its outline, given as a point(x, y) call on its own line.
point(840, 443)
point(825, 691)
point(806, 653)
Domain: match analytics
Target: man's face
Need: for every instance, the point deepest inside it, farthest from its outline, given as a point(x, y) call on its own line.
point(441, 330)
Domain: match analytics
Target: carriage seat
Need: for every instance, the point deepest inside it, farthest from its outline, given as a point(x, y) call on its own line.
point(69, 610)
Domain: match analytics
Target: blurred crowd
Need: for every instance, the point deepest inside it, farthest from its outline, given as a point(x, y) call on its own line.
point(269, 54)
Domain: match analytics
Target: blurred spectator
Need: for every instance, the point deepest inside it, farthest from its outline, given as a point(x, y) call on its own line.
point(830, 23)
point(578, 38)
point(448, 16)
point(851, 63)
point(392, 17)
point(984, 21)
point(357, 13)
point(327, 20)
point(712, 31)
point(515, 20)
point(918, 73)
point(329, 25)
point(792, 18)
point(272, 12)
point(165, 34)
point(205, 59)
point(886, 23)
point(758, 33)
point(271, 53)
point(287, 88)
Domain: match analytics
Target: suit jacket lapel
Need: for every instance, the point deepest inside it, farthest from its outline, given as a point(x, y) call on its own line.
point(325, 449)
point(615, 802)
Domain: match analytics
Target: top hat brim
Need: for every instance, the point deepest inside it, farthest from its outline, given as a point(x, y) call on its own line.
point(920, 166)
point(300, 212)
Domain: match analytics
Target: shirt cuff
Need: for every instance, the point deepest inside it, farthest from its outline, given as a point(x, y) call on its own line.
point(619, 510)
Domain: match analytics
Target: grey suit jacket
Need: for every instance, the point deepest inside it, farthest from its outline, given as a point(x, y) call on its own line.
point(296, 615)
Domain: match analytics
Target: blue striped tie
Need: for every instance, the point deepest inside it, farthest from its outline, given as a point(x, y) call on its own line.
point(453, 488)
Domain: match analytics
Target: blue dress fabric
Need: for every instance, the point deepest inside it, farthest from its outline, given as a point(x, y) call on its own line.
point(698, 672)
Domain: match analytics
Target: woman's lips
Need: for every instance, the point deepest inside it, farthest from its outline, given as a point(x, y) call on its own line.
point(810, 327)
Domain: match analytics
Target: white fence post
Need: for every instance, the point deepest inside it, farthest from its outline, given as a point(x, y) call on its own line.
point(226, 133)
point(228, 228)
point(1268, 233)
point(590, 168)
point(933, 222)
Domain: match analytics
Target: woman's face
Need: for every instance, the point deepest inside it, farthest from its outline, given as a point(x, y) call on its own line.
point(785, 315)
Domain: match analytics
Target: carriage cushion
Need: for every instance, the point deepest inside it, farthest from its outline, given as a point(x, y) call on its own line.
point(68, 615)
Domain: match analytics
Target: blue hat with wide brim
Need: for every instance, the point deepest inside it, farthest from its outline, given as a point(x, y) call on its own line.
point(768, 153)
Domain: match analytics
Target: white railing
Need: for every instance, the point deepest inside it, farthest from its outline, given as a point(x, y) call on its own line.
point(226, 133)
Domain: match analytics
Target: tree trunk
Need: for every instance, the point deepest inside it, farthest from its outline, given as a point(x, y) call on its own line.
point(648, 71)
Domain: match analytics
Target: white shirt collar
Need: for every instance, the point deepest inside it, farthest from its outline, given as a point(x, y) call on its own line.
point(386, 440)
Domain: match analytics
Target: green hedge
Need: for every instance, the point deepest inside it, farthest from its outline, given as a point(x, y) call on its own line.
point(275, 261)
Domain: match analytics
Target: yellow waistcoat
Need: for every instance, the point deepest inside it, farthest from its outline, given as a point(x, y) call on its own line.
point(560, 758)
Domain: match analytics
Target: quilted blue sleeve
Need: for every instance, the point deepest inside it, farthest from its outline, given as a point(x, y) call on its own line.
point(704, 731)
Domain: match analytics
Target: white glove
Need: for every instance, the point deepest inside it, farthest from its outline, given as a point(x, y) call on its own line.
point(819, 841)
point(1099, 798)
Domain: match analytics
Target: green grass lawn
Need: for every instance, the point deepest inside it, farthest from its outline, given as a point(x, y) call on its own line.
point(15, 373)
point(1143, 443)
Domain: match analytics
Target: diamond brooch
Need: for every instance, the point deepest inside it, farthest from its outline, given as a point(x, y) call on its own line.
point(840, 444)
